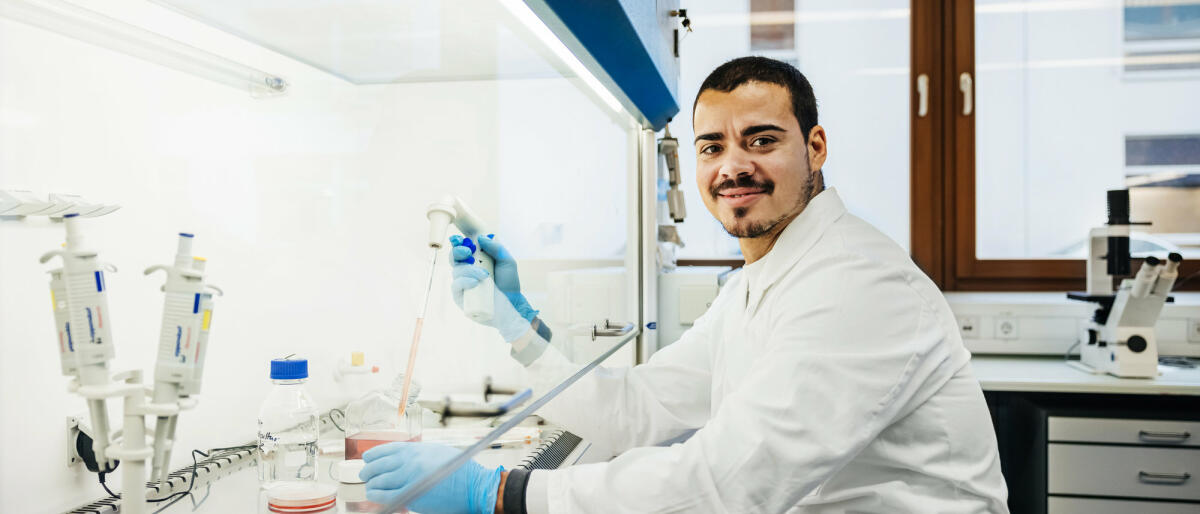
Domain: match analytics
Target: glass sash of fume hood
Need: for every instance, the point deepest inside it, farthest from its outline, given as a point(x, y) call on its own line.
point(416, 489)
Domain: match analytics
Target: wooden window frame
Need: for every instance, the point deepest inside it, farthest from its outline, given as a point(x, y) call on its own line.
point(943, 169)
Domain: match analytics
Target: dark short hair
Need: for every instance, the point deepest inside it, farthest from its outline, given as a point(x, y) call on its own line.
point(732, 74)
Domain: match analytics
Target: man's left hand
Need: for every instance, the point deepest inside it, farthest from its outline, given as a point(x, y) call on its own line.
point(471, 489)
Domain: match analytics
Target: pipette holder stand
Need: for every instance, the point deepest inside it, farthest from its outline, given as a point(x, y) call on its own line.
point(131, 450)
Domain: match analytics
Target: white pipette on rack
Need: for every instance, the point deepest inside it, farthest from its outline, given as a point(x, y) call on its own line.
point(478, 302)
point(84, 326)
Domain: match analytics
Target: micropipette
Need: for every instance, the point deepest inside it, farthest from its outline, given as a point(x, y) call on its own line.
point(478, 301)
point(85, 321)
point(183, 341)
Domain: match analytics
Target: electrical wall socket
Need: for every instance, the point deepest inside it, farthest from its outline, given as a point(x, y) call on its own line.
point(1006, 327)
point(969, 326)
point(73, 429)
point(1193, 330)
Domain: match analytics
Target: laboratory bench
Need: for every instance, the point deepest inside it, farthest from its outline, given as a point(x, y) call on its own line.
point(1072, 442)
point(237, 491)
point(233, 486)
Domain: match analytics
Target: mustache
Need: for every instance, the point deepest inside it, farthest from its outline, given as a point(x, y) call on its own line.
point(766, 186)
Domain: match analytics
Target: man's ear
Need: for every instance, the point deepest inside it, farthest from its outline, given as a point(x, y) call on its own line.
point(817, 148)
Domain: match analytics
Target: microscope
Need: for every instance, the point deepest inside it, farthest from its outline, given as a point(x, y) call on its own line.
point(1119, 339)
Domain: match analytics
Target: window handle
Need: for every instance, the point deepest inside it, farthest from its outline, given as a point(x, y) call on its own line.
point(1163, 478)
point(922, 95)
point(964, 85)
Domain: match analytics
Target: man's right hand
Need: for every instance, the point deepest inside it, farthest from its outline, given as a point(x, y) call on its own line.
point(512, 313)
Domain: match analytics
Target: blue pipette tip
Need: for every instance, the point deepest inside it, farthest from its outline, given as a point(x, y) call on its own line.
point(185, 234)
point(72, 215)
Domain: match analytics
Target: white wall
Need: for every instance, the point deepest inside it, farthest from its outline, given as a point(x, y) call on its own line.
point(856, 58)
point(309, 207)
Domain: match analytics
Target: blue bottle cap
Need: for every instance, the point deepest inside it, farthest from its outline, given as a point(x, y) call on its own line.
point(289, 369)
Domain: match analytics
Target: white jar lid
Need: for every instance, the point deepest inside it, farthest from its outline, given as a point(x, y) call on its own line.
point(348, 471)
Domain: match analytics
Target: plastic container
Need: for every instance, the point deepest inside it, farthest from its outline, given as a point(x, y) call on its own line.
point(288, 428)
point(375, 419)
point(351, 491)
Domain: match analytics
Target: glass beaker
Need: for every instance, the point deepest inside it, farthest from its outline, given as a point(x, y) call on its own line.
point(375, 418)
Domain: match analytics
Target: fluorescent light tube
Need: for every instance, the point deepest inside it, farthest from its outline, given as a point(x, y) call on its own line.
point(522, 12)
point(91, 27)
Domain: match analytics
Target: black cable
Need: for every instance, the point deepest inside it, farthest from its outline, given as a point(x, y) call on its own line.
point(179, 495)
point(105, 486)
point(334, 421)
point(192, 483)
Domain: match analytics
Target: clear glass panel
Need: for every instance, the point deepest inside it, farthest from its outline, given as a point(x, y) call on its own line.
point(1062, 116)
point(311, 205)
point(857, 59)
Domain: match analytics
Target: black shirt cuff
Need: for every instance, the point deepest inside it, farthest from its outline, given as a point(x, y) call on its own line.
point(514, 491)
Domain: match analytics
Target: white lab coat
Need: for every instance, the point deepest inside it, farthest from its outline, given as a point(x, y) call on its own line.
point(829, 376)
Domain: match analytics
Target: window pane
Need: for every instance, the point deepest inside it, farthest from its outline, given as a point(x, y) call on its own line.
point(857, 59)
point(1062, 116)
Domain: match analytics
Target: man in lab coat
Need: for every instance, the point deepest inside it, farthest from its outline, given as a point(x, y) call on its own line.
point(828, 375)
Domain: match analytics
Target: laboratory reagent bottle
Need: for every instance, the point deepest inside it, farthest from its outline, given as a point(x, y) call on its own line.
point(288, 427)
point(375, 418)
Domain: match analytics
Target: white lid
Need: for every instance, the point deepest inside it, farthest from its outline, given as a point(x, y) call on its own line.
point(348, 471)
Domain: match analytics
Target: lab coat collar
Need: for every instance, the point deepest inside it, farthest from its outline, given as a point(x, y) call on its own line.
point(794, 242)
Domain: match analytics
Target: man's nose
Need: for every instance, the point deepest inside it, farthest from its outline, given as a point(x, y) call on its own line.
point(737, 163)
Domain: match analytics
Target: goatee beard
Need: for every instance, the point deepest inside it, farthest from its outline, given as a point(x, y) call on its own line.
point(760, 229)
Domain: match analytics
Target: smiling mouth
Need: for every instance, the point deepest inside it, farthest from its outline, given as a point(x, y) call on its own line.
point(742, 187)
point(741, 192)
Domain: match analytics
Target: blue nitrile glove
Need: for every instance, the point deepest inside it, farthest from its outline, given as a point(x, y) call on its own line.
point(513, 314)
point(471, 489)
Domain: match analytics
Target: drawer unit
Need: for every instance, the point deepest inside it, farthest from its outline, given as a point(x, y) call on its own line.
point(1057, 505)
point(1124, 471)
point(1123, 431)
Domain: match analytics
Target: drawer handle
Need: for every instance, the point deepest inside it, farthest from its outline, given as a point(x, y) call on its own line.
point(1164, 478)
point(1160, 436)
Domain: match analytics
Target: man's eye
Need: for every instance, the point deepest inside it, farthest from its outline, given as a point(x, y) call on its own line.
point(710, 149)
point(761, 141)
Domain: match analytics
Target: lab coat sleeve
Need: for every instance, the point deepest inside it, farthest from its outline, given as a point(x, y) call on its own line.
point(838, 368)
point(620, 408)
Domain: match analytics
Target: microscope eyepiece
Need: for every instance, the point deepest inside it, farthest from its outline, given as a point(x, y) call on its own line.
point(1152, 260)
point(1174, 257)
